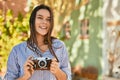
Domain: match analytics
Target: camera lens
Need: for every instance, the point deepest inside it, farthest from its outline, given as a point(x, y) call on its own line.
point(42, 64)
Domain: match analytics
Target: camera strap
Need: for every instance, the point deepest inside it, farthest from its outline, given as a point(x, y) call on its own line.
point(34, 49)
point(52, 51)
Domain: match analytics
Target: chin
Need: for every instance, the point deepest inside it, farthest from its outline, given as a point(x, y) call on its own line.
point(42, 34)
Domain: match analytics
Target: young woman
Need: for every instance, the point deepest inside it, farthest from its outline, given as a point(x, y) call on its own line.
point(40, 44)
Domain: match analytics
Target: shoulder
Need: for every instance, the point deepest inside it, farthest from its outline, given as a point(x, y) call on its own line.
point(20, 45)
point(18, 48)
point(56, 43)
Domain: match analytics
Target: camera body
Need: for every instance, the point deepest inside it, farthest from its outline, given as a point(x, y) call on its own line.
point(41, 63)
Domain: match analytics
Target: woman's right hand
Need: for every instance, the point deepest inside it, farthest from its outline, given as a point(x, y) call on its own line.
point(28, 69)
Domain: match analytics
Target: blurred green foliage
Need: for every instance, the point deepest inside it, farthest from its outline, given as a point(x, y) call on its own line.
point(12, 32)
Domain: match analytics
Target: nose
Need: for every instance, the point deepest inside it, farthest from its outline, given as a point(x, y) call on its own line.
point(44, 21)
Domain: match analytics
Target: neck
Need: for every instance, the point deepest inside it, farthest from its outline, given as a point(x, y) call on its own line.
point(40, 40)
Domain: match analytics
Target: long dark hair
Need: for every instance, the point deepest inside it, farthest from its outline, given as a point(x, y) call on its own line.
point(47, 39)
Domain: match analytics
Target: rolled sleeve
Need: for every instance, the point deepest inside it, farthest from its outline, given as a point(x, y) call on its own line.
point(12, 67)
point(65, 64)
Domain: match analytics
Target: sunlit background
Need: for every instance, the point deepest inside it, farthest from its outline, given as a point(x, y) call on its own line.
point(88, 28)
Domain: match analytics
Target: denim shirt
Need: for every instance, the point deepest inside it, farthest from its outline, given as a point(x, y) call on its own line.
point(21, 52)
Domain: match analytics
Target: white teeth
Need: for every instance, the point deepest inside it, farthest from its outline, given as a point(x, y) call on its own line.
point(43, 27)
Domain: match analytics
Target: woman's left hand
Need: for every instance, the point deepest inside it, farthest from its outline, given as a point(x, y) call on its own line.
point(54, 68)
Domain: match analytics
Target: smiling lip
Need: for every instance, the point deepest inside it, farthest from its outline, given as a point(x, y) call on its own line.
point(43, 27)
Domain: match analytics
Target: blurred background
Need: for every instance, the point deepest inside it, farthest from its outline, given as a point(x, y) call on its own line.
point(88, 27)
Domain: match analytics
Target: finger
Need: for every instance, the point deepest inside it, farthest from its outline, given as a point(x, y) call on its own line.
point(30, 70)
point(30, 57)
point(53, 70)
point(52, 65)
point(31, 62)
point(28, 65)
point(54, 59)
point(55, 63)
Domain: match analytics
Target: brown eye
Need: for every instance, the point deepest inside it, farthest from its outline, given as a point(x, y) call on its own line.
point(39, 17)
point(48, 20)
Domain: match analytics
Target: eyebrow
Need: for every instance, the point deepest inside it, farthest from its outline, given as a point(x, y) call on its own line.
point(42, 16)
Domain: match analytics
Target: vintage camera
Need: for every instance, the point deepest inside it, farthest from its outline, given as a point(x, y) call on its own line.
point(42, 63)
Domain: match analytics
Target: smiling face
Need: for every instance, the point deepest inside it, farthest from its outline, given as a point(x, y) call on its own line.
point(42, 22)
point(41, 25)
